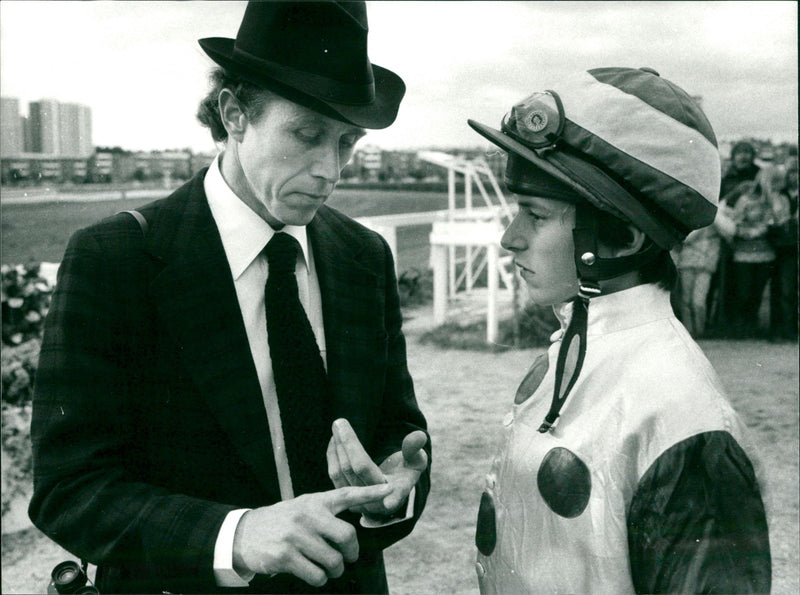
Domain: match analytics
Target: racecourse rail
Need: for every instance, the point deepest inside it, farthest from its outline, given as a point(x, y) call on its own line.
point(447, 234)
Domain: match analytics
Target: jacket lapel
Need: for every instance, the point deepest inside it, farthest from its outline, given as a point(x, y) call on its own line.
point(352, 308)
point(345, 276)
point(197, 302)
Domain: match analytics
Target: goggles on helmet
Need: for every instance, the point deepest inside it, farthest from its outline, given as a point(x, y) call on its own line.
point(537, 121)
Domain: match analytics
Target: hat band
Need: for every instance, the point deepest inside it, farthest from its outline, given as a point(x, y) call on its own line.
point(313, 84)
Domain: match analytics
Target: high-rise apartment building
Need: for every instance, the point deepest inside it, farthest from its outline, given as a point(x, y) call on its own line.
point(43, 118)
point(27, 134)
point(85, 143)
point(75, 130)
point(51, 128)
point(12, 139)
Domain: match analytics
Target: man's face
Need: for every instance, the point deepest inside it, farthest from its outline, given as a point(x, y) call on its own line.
point(540, 237)
point(291, 159)
point(743, 159)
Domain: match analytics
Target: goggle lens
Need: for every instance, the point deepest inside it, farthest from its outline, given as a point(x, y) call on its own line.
point(537, 121)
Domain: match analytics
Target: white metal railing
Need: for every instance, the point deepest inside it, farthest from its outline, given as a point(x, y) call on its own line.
point(387, 225)
point(475, 233)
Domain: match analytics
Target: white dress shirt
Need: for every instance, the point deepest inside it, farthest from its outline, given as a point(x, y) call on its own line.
point(244, 235)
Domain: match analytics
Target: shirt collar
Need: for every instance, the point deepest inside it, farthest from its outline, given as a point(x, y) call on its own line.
point(620, 310)
point(244, 234)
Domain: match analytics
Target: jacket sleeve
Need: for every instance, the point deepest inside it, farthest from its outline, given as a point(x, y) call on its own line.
point(697, 524)
point(400, 413)
point(86, 497)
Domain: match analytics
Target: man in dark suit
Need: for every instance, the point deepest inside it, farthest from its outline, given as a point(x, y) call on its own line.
point(222, 398)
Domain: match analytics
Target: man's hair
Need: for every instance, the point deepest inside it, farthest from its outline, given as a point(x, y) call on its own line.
point(252, 99)
point(743, 147)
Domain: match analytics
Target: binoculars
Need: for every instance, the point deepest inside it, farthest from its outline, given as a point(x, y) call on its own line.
point(69, 577)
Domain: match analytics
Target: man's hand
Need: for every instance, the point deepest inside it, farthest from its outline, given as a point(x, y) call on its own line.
point(302, 536)
point(350, 465)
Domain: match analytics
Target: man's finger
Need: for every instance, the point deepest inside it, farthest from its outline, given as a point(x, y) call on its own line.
point(350, 475)
point(412, 448)
point(328, 555)
point(341, 535)
point(306, 570)
point(359, 467)
point(341, 499)
point(335, 471)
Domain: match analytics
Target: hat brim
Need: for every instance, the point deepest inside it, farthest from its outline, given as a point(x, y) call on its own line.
point(588, 181)
point(380, 113)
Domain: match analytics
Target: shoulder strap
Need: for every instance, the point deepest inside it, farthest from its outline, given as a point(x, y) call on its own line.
point(139, 219)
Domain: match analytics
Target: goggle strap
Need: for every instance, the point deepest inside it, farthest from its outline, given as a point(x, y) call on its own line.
point(561, 117)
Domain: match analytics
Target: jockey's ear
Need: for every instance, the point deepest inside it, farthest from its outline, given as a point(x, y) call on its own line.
point(637, 240)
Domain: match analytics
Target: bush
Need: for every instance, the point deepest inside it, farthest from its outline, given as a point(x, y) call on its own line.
point(469, 336)
point(536, 325)
point(26, 298)
point(415, 287)
point(18, 372)
point(533, 328)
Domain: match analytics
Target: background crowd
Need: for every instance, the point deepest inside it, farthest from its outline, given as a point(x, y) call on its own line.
point(727, 268)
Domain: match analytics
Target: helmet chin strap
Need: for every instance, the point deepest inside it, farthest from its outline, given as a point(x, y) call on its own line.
point(591, 267)
point(591, 270)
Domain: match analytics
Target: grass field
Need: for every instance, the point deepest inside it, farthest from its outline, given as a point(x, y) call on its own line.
point(39, 231)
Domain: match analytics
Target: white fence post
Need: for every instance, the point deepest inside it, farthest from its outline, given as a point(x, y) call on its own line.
point(491, 304)
point(440, 296)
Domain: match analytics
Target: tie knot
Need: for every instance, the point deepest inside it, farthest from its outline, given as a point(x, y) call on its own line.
point(281, 253)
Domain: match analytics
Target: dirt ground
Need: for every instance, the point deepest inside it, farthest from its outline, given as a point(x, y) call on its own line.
point(464, 396)
point(465, 406)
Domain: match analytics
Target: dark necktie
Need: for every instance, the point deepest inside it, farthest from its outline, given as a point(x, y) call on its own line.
point(300, 379)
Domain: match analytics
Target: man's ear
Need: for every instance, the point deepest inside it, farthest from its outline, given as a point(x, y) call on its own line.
point(230, 112)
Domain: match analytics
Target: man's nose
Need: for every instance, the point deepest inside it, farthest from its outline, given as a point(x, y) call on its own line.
point(327, 164)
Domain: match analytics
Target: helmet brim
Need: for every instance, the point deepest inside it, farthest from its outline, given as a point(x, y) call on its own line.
point(588, 181)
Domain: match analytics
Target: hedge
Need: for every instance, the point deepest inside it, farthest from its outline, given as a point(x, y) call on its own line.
point(25, 300)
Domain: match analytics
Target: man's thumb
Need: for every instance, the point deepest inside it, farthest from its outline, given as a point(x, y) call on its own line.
point(412, 448)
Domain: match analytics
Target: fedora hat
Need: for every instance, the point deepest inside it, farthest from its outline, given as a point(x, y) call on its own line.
point(313, 53)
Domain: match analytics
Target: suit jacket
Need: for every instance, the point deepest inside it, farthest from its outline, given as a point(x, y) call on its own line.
point(148, 420)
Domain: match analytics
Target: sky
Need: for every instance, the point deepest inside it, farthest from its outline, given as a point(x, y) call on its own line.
point(137, 64)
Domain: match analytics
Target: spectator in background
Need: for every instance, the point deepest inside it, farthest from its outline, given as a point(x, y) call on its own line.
point(742, 168)
point(783, 237)
point(696, 259)
point(750, 207)
point(721, 297)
